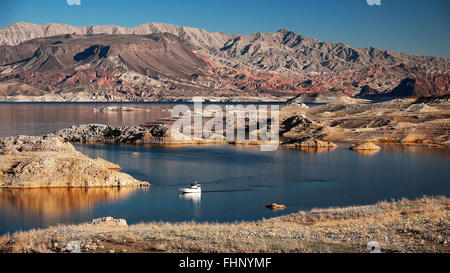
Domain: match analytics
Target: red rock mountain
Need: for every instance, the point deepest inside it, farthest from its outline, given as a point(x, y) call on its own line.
point(164, 62)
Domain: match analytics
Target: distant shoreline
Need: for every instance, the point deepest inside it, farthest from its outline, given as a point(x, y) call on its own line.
point(147, 102)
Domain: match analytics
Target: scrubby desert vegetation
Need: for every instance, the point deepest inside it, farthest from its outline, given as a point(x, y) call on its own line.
point(420, 225)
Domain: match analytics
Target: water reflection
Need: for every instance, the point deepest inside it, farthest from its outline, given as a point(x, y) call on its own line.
point(366, 152)
point(240, 180)
point(57, 201)
point(195, 199)
point(315, 149)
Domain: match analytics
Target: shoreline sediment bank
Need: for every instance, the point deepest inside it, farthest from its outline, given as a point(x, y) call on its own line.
point(416, 226)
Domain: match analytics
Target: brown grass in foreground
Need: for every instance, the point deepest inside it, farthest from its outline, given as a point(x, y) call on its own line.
point(421, 225)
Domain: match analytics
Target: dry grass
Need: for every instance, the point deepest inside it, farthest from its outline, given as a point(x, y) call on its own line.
point(421, 225)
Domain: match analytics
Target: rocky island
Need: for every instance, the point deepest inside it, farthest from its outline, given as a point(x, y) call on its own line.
point(367, 146)
point(46, 162)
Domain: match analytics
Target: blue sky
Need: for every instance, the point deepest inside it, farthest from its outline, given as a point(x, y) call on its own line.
point(414, 26)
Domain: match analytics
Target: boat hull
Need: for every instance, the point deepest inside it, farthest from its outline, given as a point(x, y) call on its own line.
point(189, 190)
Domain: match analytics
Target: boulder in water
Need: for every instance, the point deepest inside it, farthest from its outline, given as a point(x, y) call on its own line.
point(275, 206)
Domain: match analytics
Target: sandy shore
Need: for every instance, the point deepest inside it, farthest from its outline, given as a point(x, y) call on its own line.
point(422, 225)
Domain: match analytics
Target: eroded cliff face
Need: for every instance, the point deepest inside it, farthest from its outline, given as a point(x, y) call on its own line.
point(45, 162)
point(155, 62)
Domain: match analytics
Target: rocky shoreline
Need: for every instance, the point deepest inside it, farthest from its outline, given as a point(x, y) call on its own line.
point(422, 121)
point(106, 134)
point(403, 121)
point(32, 162)
point(49, 162)
point(418, 226)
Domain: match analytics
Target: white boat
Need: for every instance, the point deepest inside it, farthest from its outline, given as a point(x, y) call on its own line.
point(194, 188)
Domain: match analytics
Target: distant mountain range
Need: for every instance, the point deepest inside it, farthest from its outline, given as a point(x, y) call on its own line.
point(154, 62)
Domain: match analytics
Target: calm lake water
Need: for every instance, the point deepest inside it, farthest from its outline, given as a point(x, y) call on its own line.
point(236, 181)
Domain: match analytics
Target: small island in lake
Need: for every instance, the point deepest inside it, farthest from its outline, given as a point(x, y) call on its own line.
point(48, 162)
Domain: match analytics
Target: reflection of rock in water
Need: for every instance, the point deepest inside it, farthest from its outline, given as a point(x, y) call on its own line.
point(367, 152)
point(315, 150)
point(56, 201)
point(196, 199)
